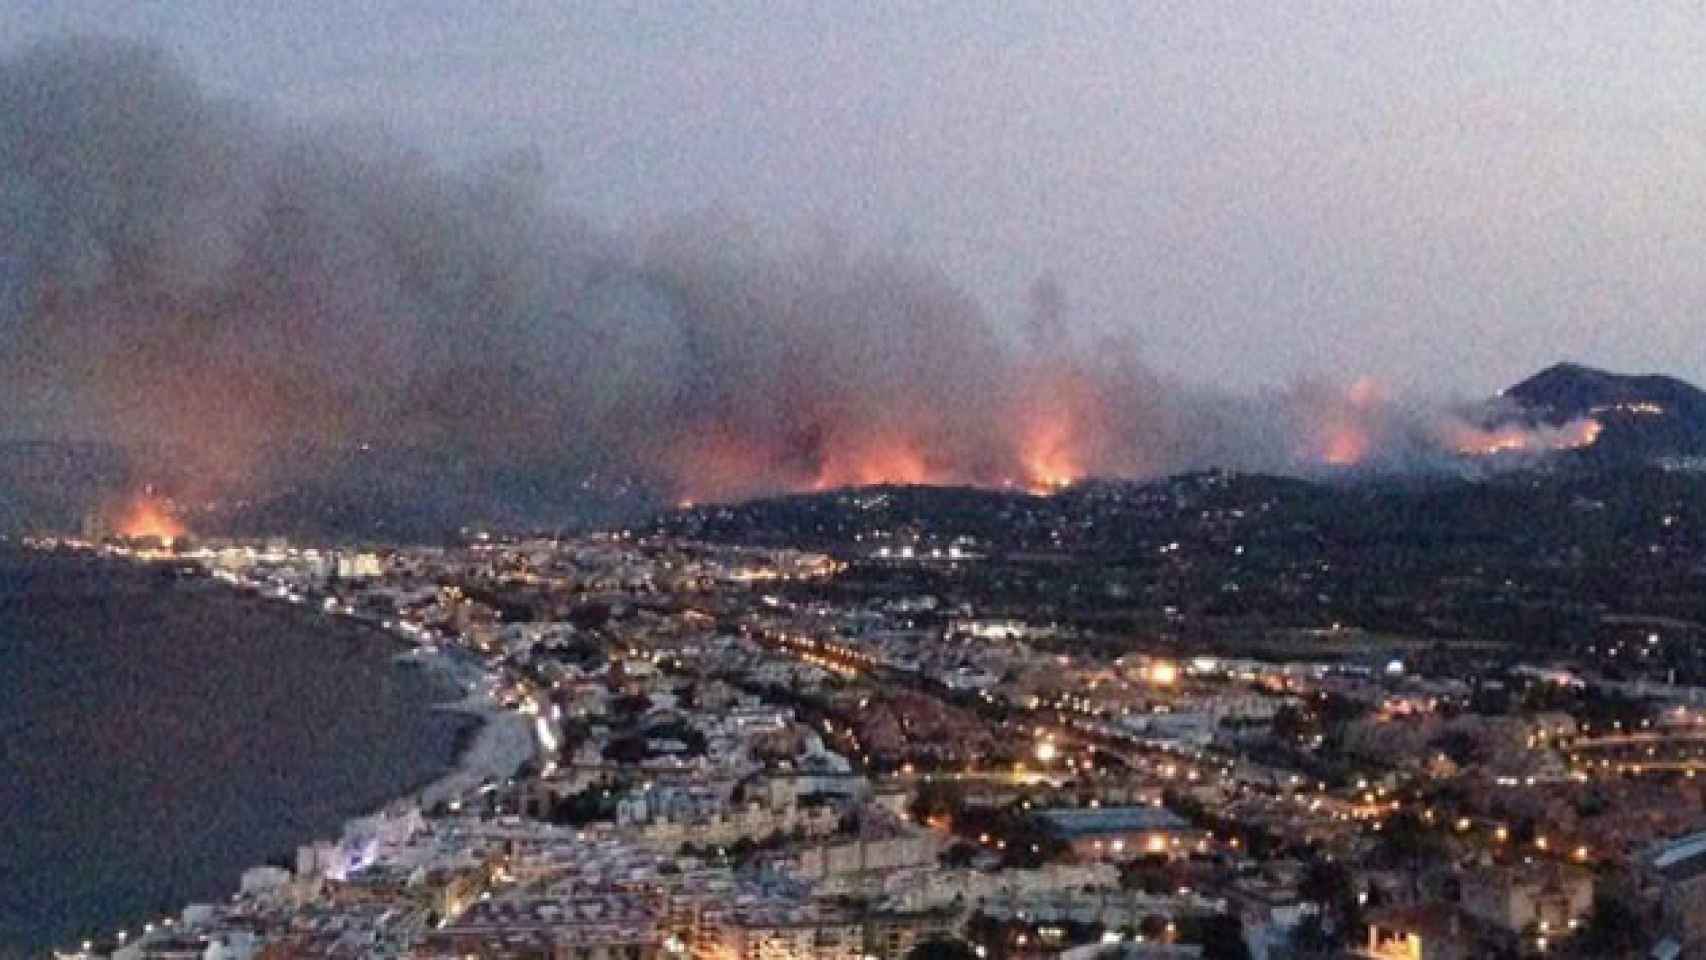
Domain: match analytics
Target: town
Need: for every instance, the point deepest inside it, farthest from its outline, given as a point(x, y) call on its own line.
point(886, 740)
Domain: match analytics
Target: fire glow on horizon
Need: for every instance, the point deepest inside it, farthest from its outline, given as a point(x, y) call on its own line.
point(1039, 435)
point(322, 291)
point(1061, 430)
point(147, 516)
point(1574, 435)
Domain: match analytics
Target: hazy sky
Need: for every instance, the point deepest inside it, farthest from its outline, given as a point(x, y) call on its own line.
point(1445, 196)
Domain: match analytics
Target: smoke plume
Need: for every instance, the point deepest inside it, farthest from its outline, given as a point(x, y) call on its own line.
point(178, 272)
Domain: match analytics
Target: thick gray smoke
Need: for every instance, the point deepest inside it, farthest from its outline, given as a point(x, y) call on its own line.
point(178, 272)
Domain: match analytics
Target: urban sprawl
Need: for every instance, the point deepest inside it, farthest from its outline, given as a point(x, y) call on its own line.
point(743, 752)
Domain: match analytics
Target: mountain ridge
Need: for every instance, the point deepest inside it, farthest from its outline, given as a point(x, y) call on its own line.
point(1642, 416)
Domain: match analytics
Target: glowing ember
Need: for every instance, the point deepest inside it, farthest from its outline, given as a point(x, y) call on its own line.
point(1346, 446)
point(1587, 433)
point(1051, 456)
point(1162, 673)
point(147, 517)
point(1476, 441)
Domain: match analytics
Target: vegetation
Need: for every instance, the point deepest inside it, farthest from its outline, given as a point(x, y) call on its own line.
point(579, 809)
point(941, 949)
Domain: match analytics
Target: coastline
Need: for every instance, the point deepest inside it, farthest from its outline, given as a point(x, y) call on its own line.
point(500, 743)
point(498, 746)
point(491, 748)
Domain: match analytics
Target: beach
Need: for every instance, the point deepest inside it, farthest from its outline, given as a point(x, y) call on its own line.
point(502, 742)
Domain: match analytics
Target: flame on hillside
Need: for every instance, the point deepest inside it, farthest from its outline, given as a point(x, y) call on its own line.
point(1051, 458)
point(1054, 424)
point(1347, 445)
point(877, 460)
point(147, 516)
point(1058, 416)
point(1344, 434)
point(1362, 424)
point(1515, 438)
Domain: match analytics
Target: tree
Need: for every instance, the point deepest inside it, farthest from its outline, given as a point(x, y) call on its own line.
point(1328, 884)
point(941, 948)
point(629, 749)
point(1459, 746)
point(580, 809)
point(1406, 841)
point(1324, 882)
point(1029, 847)
point(1311, 939)
point(587, 616)
point(1489, 700)
point(959, 856)
point(1289, 722)
point(1613, 927)
point(689, 735)
point(1337, 710)
point(938, 798)
point(1221, 936)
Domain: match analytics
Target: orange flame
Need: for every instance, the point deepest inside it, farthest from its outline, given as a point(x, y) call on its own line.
point(1058, 425)
point(1061, 414)
point(1346, 434)
point(1476, 441)
point(1347, 444)
point(874, 461)
point(1051, 453)
point(149, 517)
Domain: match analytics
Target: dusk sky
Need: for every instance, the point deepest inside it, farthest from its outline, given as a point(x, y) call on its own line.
point(1444, 196)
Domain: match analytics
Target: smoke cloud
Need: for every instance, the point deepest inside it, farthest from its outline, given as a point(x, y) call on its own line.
point(178, 272)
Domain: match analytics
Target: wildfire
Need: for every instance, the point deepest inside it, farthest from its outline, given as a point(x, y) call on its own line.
point(1044, 480)
point(1346, 445)
point(1348, 421)
point(1476, 441)
point(1063, 422)
point(1055, 424)
point(1050, 452)
point(148, 517)
point(885, 460)
point(1587, 433)
point(715, 465)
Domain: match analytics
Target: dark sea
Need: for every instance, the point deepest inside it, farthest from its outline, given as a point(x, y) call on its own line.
point(157, 737)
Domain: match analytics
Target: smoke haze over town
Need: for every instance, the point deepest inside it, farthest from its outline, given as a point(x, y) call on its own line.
point(210, 271)
point(816, 480)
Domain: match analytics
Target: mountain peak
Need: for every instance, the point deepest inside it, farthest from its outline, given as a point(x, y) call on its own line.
point(1642, 415)
point(1575, 389)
